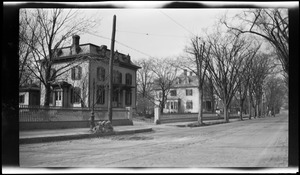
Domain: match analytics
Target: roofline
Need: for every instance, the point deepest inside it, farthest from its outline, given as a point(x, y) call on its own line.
point(126, 65)
point(79, 45)
point(29, 89)
point(193, 86)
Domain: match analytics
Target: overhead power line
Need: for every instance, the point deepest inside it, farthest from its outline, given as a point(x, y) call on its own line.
point(151, 34)
point(177, 23)
point(121, 44)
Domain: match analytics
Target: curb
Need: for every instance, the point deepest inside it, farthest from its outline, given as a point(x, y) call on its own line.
point(43, 139)
point(212, 122)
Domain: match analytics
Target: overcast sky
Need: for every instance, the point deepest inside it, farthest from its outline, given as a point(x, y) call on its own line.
point(151, 32)
point(144, 30)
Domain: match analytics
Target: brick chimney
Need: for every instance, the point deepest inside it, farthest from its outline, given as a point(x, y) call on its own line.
point(75, 45)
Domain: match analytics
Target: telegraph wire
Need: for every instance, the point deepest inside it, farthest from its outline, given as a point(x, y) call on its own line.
point(151, 34)
point(133, 49)
point(121, 44)
point(177, 23)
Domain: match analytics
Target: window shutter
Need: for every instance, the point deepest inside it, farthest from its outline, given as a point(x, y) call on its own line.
point(72, 73)
point(103, 74)
point(79, 72)
point(103, 95)
point(120, 78)
point(72, 94)
point(98, 74)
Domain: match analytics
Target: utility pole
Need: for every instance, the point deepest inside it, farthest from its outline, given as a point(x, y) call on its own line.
point(110, 88)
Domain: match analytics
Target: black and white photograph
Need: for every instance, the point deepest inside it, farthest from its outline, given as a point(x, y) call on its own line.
point(152, 87)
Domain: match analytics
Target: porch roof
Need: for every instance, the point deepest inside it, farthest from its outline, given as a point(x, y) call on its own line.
point(123, 86)
point(60, 84)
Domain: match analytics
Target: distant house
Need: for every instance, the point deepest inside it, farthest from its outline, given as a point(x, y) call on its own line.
point(84, 80)
point(29, 95)
point(183, 97)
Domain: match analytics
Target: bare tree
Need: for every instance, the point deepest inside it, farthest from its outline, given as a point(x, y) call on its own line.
point(165, 76)
point(276, 93)
point(53, 27)
point(228, 55)
point(196, 61)
point(262, 65)
point(272, 25)
point(27, 41)
point(242, 89)
point(145, 75)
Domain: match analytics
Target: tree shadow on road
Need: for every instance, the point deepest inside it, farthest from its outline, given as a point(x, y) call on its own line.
point(196, 124)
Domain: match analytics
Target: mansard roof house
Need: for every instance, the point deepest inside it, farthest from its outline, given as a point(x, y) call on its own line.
point(83, 80)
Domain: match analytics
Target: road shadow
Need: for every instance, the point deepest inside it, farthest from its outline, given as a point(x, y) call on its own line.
point(196, 124)
point(132, 138)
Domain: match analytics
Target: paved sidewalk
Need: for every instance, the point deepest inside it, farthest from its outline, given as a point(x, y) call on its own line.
point(40, 136)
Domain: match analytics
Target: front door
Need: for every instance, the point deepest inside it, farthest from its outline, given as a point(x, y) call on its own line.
point(58, 98)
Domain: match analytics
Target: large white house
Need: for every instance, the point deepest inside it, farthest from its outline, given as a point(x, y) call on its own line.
point(183, 96)
point(84, 78)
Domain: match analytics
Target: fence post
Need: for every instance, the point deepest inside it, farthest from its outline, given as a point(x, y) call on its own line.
point(129, 113)
point(156, 115)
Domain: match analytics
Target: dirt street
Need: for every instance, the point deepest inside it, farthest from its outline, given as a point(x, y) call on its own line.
point(261, 142)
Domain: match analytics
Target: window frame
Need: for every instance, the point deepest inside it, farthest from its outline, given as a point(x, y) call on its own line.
point(100, 96)
point(189, 92)
point(117, 77)
point(76, 72)
point(22, 96)
point(189, 104)
point(128, 97)
point(128, 79)
point(75, 96)
point(172, 91)
point(101, 73)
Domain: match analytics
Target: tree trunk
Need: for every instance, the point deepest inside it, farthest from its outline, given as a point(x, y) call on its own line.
point(257, 109)
point(200, 113)
point(226, 116)
point(161, 108)
point(249, 104)
point(162, 104)
point(241, 109)
point(47, 95)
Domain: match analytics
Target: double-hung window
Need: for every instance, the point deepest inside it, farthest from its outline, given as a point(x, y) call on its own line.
point(100, 94)
point(173, 92)
point(75, 95)
point(21, 98)
point(128, 79)
point(189, 92)
point(189, 105)
point(76, 73)
point(100, 74)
